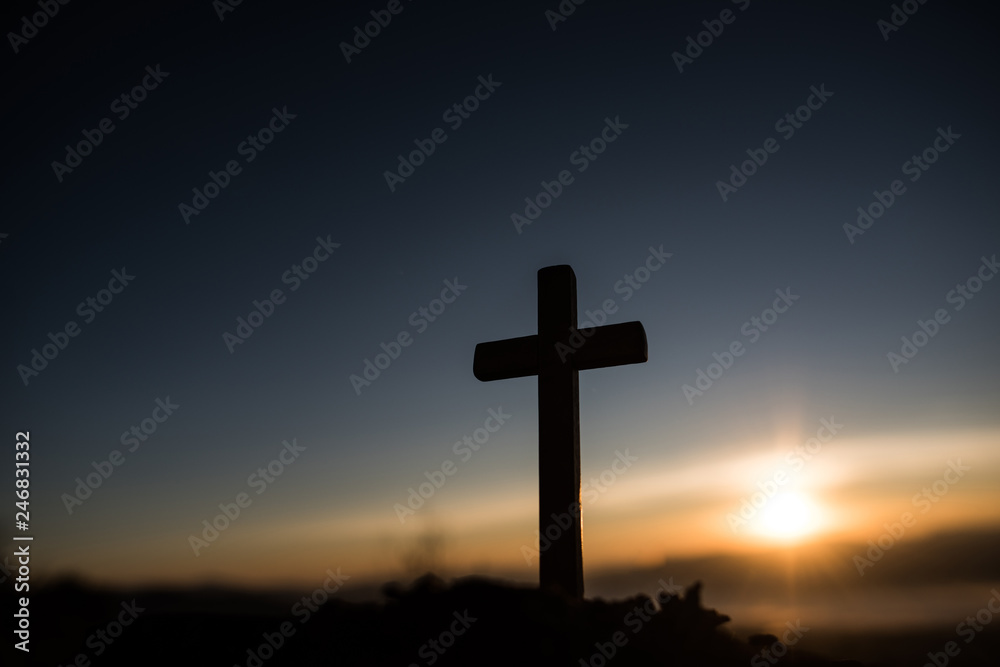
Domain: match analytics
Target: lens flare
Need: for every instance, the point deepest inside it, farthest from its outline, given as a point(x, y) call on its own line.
point(788, 517)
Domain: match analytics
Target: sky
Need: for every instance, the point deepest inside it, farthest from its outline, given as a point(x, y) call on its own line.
point(217, 218)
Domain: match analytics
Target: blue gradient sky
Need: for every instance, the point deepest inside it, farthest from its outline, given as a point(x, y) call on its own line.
point(654, 186)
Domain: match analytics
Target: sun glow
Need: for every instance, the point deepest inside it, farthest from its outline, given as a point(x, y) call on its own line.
point(788, 517)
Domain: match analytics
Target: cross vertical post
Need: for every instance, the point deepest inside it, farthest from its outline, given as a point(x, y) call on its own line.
point(561, 565)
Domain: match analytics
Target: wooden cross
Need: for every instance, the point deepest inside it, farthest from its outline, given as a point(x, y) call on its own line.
point(556, 354)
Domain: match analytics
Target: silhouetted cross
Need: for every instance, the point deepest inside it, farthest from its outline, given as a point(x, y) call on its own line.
point(555, 355)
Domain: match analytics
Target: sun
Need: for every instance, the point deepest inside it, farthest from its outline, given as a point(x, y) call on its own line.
point(788, 517)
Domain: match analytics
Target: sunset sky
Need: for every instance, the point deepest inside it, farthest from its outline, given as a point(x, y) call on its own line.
point(825, 405)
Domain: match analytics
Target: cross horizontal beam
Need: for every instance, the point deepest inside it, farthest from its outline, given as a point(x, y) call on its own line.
point(597, 347)
point(508, 358)
point(611, 345)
